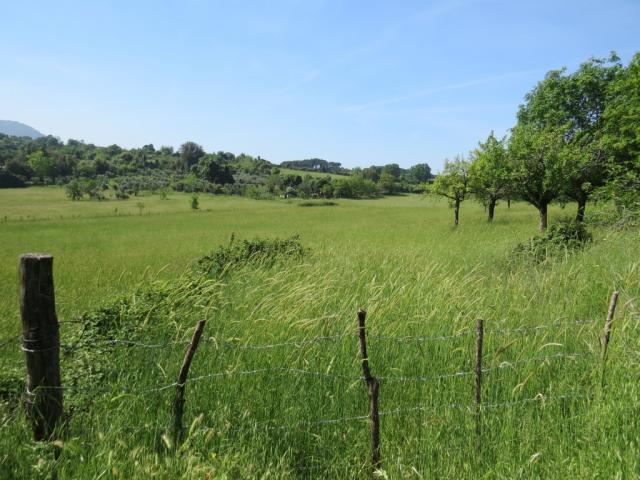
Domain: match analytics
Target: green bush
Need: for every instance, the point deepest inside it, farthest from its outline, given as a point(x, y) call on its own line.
point(564, 236)
point(261, 252)
point(8, 180)
point(317, 203)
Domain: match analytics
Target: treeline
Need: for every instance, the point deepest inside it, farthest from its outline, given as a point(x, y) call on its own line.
point(95, 172)
point(316, 165)
point(577, 137)
point(47, 160)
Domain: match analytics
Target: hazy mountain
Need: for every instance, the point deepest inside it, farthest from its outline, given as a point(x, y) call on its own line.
point(9, 127)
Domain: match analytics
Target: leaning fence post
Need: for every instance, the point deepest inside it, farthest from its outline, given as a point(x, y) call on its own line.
point(479, 340)
point(608, 326)
point(178, 403)
point(373, 387)
point(41, 343)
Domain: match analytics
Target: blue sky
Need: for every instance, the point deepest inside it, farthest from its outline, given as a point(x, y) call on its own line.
point(357, 82)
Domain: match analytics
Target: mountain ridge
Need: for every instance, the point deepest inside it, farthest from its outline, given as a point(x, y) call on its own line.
point(18, 129)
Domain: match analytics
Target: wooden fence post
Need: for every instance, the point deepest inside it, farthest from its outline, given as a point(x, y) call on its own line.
point(609, 323)
point(373, 388)
point(41, 343)
point(178, 403)
point(606, 336)
point(479, 340)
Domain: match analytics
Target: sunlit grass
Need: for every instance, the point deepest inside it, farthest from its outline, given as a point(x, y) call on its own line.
point(397, 257)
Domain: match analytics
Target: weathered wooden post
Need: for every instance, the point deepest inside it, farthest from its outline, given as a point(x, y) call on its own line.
point(479, 340)
point(41, 343)
point(606, 336)
point(373, 388)
point(178, 403)
point(609, 323)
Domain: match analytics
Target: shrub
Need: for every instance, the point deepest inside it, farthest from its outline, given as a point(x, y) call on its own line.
point(316, 203)
point(74, 190)
point(260, 252)
point(564, 236)
point(195, 204)
point(8, 180)
point(258, 193)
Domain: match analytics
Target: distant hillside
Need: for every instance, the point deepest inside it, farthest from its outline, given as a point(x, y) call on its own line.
point(9, 127)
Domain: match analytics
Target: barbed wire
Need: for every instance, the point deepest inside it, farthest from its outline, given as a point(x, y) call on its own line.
point(471, 408)
point(286, 343)
point(338, 376)
point(298, 343)
point(351, 378)
point(540, 327)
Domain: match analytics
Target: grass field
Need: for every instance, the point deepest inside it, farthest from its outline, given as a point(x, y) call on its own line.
point(269, 412)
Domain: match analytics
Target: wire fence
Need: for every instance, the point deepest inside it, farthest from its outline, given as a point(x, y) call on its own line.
point(298, 342)
point(596, 356)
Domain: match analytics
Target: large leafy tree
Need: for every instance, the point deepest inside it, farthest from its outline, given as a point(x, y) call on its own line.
point(621, 137)
point(453, 183)
point(42, 165)
point(420, 173)
point(574, 103)
point(491, 173)
point(211, 169)
point(190, 153)
point(540, 166)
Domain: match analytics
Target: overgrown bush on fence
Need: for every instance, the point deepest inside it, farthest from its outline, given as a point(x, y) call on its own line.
point(564, 236)
point(258, 251)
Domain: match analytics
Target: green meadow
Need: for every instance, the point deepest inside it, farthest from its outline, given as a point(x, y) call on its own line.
point(276, 389)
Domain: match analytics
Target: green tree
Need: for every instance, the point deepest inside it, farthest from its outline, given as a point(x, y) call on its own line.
point(190, 153)
point(575, 103)
point(491, 173)
point(370, 173)
point(42, 165)
point(210, 169)
point(540, 166)
point(388, 183)
point(420, 173)
point(621, 138)
point(392, 169)
point(453, 183)
point(74, 190)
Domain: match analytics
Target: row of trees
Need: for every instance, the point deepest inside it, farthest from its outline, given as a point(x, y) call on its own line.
point(47, 160)
point(577, 136)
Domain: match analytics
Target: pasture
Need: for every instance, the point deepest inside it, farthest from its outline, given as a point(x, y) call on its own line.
point(277, 390)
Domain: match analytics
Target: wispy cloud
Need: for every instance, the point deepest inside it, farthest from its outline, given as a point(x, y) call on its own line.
point(381, 102)
point(384, 37)
point(308, 78)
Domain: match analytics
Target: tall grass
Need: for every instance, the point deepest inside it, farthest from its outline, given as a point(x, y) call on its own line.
point(546, 415)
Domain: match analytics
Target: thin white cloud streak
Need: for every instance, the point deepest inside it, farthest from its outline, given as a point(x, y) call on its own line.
point(432, 91)
point(427, 14)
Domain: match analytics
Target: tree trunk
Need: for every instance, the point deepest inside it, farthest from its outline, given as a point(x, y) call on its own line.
point(492, 208)
point(543, 217)
point(456, 212)
point(582, 204)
